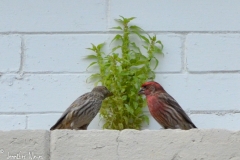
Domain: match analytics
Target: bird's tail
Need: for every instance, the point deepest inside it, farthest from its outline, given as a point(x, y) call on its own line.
point(56, 126)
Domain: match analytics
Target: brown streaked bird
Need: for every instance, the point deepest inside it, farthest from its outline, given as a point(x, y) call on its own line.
point(82, 111)
point(164, 108)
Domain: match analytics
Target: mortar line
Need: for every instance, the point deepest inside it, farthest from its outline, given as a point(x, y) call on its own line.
point(209, 111)
point(184, 55)
point(26, 126)
point(118, 145)
point(108, 14)
point(49, 145)
point(114, 32)
point(20, 70)
point(55, 33)
point(29, 113)
point(213, 111)
point(214, 72)
point(88, 73)
point(188, 111)
point(49, 72)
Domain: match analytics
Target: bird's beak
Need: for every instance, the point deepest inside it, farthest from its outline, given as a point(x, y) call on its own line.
point(141, 91)
point(110, 94)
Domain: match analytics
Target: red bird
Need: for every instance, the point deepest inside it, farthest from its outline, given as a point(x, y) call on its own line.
point(164, 108)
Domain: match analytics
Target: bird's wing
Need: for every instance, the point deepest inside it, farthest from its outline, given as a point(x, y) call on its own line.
point(173, 103)
point(78, 103)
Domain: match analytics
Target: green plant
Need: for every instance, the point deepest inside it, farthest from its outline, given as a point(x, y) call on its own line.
point(123, 71)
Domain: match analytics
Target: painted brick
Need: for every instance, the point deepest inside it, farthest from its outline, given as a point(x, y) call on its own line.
point(54, 16)
point(59, 53)
point(203, 91)
point(12, 122)
point(42, 121)
point(217, 121)
point(41, 92)
point(208, 52)
point(160, 15)
point(10, 53)
point(46, 121)
point(204, 121)
point(171, 61)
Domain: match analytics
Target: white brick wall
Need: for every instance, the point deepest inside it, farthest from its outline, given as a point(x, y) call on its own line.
point(42, 46)
point(10, 53)
point(220, 50)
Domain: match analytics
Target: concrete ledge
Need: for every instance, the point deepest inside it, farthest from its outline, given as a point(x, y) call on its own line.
point(24, 144)
point(120, 145)
point(179, 144)
point(84, 145)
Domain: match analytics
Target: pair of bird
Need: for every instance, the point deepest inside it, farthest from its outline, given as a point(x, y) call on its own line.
point(163, 107)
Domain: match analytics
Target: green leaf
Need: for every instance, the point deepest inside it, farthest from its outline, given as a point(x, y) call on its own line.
point(135, 46)
point(119, 20)
point(142, 37)
point(91, 56)
point(135, 105)
point(157, 50)
point(118, 27)
point(129, 109)
point(141, 76)
point(117, 37)
point(150, 37)
point(124, 73)
point(96, 83)
point(131, 18)
point(106, 125)
point(151, 75)
point(125, 119)
point(154, 38)
point(99, 47)
point(136, 28)
point(119, 68)
point(146, 119)
point(124, 97)
point(120, 125)
point(126, 20)
point(115, 48)
point(90, 49)
point(94, 47)
point(91, 64)
point(146, 47)
point(93, 76)
point(156, 62)
point(159, 42)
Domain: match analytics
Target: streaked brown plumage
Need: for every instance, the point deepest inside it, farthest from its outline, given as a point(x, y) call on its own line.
point(82, 111)
point(164, 108)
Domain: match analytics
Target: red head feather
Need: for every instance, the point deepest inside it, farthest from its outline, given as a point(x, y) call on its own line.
point(150, 87)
